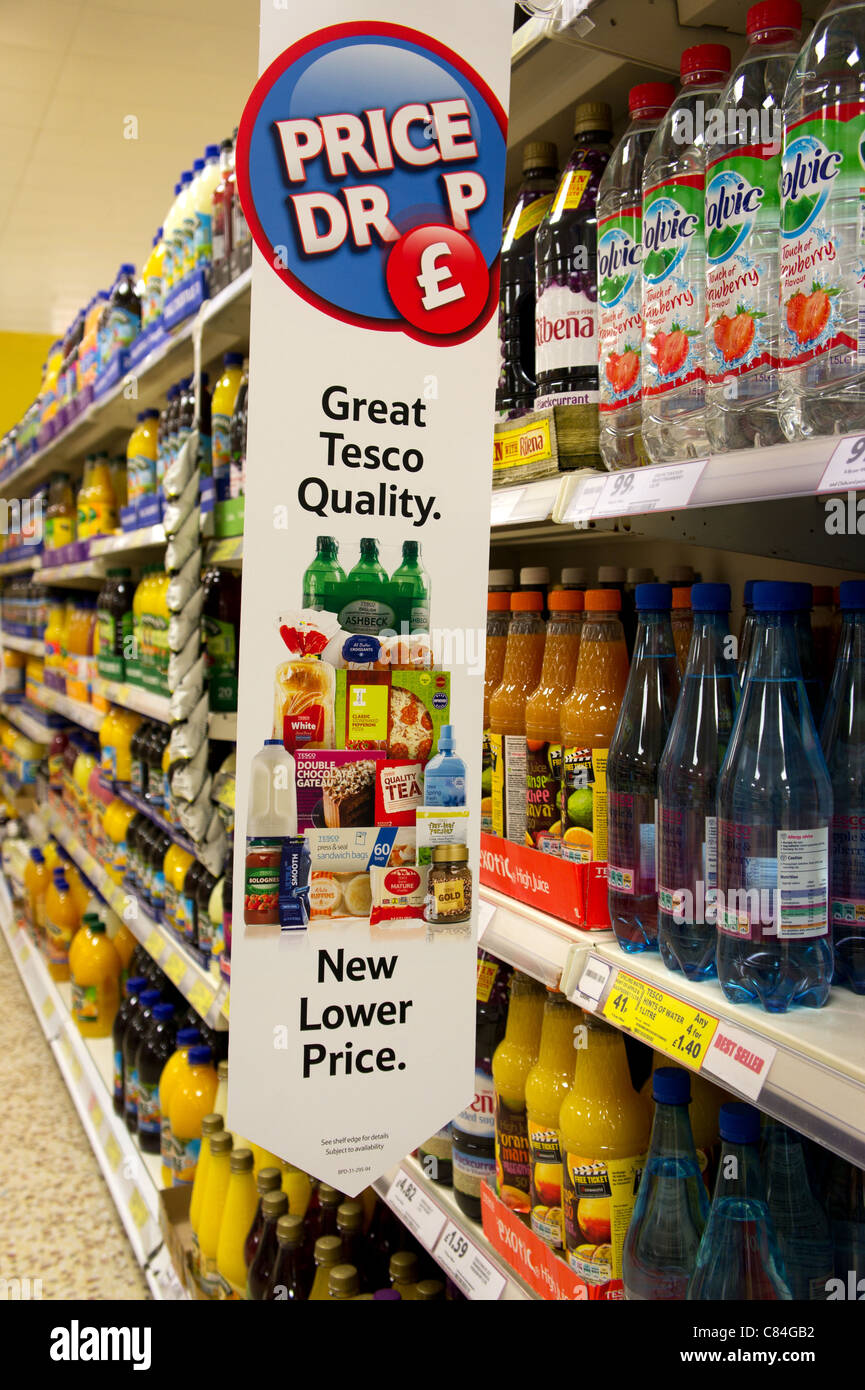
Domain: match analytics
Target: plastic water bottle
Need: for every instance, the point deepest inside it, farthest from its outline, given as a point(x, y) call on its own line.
point(515, 392)
point(632, 772)
point(822, 282)
point(801, 1224)
point(746, 631)
point(807, 655)
point(688, 786)
point(774, 812)
point(743, 212)
point(674, 263)
point(670, 1212)
point(845, 1204)
point(739, 1258)
point(620, 249)
point(843, 740)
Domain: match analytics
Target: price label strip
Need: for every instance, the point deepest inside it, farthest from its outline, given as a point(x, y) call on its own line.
point(113, 1153)
point(504, 504)
point(154, 945)
point(486, 913)
point(47, 1006)
point(420, 1213)
point(845, 470)
point(468, 1266)
point(667, 487)
point(138, 1209)
point(175, 969)
point(201, 997)
point(95, 1113)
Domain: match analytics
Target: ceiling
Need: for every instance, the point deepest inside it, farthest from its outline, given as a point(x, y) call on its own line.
point(78, 197)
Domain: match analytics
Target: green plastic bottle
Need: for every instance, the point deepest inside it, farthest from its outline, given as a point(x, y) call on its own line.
point(367, 605)
point(411, 584)
point(322, 577)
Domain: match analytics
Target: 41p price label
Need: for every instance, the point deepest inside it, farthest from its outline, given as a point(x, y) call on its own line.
point(468, 1266)
point(423, 1217)
point(660, 1019)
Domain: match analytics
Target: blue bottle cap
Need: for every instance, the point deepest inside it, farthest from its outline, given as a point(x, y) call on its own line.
point(653, 596)
point(775, 596)
point(806, 596)
point(163, 1011)
point(671, 1086)
point(749, 592)
point(710, 598)
point(37, 856)
point(151, 997)
point(199, 1056)
point(188, 1037)
point(135, 984)
point(269, 742)
point(853, 594)
point(447, 742)
point(211, 151)
point(197, 165)
point(233, 359)
point(739, 1123)
point(126, 269)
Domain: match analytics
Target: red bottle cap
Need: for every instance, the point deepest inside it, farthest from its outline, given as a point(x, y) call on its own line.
point(706, 58)
point(774, 14)
point(651, 96)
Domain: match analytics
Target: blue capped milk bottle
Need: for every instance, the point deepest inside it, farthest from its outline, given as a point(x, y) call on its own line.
point(674, 257)
point(822, 282)
point(774, 814)
point(743, 211)
point(632, 772)
point(688, 786)
point(843, 739)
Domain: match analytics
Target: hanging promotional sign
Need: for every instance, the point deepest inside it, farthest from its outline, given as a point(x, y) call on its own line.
point(370, 167)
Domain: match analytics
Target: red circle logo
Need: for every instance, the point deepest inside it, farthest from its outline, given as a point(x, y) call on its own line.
point(438, 279)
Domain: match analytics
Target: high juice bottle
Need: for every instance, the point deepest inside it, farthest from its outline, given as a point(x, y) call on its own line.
point(133, 988)
point(742, 215)
point(632, 773)
point(524, 654)
point(174, 1071)
point(498, 622)
point(620, 250)
point(156, 1046)
point(132, 1038)
point(674, 404)
point(687, 789)
point(774, 814)
point(543, 721)
point(328, 1254)
point(588, 720)
point(322, 576)
point(267, 1179)
point(843, 740)
point(211, 1125)
point(291, 1279)
point(604, 1127)
point(221, 410)
point(822, 286)
point(547, 1085)
point(241, 1200)
point(61, 923)
point(515, 391)
point(513, 1059)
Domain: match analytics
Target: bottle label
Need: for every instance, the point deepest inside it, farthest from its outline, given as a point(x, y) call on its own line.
point(513, 1157)
point(566, 337)
point(261, 882)
point(681, 831)
point(784, 895)
point(822, 294)
point(545, 1158)
point(632, 843)
point(470, 1170)
point(186, 915)
point(366, 615)
point(132, 1091)
point(487, 974)
point(803, 883)
point(220, 445)
point(479, 1120)
point(57, 942)
point(597, 1201)
point(155, 785)
point(543, 785)
point(185, 1157)
point(742, 205)
point(673, 275)
point(149, 1118)
point(584, 805)
point(221, 642)
point(85, 1003)
point(525, 218)
point(487, 786)
point(848, 912)
point(620, 320)
point(508, 753)
point(118, 1074)
point(419, 615)
point(203, 238)
point(123, 328)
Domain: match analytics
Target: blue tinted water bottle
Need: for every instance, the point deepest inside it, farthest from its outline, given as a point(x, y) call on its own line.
point(801, 1224)
point(688, 786)
point(746, 631)
point(807, 655)
point(670, 1212)
point(843, 740)
point(774, 812)
point(632, 772)
point(739, 1258)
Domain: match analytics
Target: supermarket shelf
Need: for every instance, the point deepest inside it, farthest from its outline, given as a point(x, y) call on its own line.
point(228, 552)
point(83, 572)
point(128, 543)
point(430, 1227)
point(525, 503)
point(222, 726)
point(19, 566)
point(225, 318)
point(33, 646)
point(134, 697)
point(27, 719)
point(531, 940)
point(86, 716)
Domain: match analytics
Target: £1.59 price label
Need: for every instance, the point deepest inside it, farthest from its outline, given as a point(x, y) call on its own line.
point(420, 1213)
point(467, 1266)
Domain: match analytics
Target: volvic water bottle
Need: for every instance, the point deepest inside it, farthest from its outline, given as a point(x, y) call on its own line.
point(688, 785)
point(620, 250)
point(743, 166)
point(632, 772)
point(822, 280)
point(774, 812)
point(674, 399)
point(801, 1224)
point(670, 1212)
point(843, 740)
point(739, 1257)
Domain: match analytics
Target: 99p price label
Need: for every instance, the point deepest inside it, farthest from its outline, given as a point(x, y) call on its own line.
point(467, 1266)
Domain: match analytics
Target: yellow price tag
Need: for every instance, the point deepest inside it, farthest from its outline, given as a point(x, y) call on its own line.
point(48, 1006)
point(200, 997)
point(660, 1020)
point(75, 1067)
point(113, 1153)
point(138, 1211)
point(224, 1006)
point(154, 945)
point(96, 1113)
point(174, 968)
point(25, 954)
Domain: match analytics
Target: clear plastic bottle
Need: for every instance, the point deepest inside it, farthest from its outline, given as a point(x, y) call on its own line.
point(632, 772)
point(807, 655)
point(822, 286)
point(801, 1224)
point(743, 167)
point(739, 1259)
point(515, 392)
point(620, 249)
point(674, 400)
point(672, 1206)
point(746, 631)
point(687, 789)
point(774, 813)
point(843, 740)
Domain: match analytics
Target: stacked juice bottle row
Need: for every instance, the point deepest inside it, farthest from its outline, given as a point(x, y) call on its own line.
point(92, 509)
point(20, 756)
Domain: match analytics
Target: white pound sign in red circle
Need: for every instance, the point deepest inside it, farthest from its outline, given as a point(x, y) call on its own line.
point(438, 279)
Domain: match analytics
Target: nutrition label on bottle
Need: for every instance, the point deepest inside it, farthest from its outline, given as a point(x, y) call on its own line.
point(803, 883)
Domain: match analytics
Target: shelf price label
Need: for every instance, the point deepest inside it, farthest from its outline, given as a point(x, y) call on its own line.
point(48, 1007)
point(175, 968)
point(666, 487)
point(154, 945)
point(739, 1059)
point(660, 1020)
point(845, 470)
point(201, 997)
point(415, 1209)
point(467, 1266)
point(138, 1209)
point(113, 1153)
point(95, 1112)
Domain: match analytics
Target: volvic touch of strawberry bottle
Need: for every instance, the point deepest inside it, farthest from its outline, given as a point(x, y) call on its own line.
point(674, 395)
point(743, 211)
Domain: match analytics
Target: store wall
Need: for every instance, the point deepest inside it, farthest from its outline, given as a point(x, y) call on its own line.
point(21, 358)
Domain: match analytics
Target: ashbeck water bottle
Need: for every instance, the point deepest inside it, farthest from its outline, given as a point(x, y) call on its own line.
point(739, 1259)
point(801, 1224)
point(632, 772)
point(674, 263)
point(743, 166)
point(688, 786)
point(843, 740)
point(822, 349)
point(515, 392)
point(774, 813)
point(670, 1213)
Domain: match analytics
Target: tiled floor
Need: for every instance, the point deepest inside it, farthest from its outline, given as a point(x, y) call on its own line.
point(58, 1223)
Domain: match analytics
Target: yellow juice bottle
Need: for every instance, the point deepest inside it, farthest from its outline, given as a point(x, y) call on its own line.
point(297, 1187)
point(328, 1254)
point(37, 877)
point(95, 970)
point(211, 1125)
point(192, 1099)
point(61, 924)
point(173, 1072)
point(176, 864)
point(241, 1202)
point(212, 1208)
point(513, 1059)
point(604, 1126)
point(546, 1087)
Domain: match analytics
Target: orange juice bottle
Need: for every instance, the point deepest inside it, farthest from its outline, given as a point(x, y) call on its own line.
point(212, 1208)
point(546, 1087)
point(498, 622)
point(543, 721)
point(124, 944)
point(241, 1202)
point(524, 655)
point(174, 1071)
point(95, 982)
point(176, 865)
point(588, 721)
point(211, 1125)
point(604, 1126)
point(37, 877)
point(191, 1100)
point(513, 1059)
point(61, 924)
